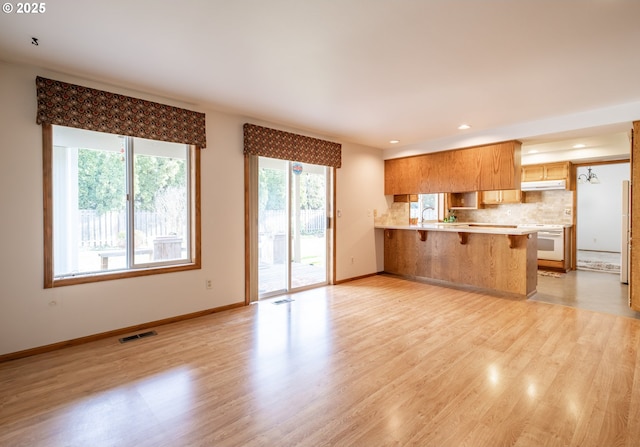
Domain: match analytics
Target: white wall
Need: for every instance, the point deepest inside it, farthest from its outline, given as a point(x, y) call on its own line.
point(360, 193)
point(600, 208)
point(28, 320)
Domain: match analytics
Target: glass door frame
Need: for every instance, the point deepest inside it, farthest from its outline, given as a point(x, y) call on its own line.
point(252, 238)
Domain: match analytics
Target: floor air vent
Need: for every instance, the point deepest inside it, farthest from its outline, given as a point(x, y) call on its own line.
point(137, 336)
point(286, 300)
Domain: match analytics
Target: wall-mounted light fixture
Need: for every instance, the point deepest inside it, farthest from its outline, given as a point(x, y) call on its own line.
point(589, 177)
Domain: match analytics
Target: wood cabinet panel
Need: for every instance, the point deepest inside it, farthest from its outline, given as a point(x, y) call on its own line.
point(490, 197)
point(405, 198)
point(511, 196)
point(556, 171)
point(500, 166)
point(500, 197)
point(494, 166)
point(463, 169)
point(548, 171)
point(463, 200)
point(402, 176)
point(511, 266)
point(532, 173)
point(429, 177)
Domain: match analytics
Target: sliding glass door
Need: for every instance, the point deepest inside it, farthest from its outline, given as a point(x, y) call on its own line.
point(292, 225)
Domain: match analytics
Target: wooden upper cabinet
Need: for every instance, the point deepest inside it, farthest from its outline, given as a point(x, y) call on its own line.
point(462, 201)
point(532, 173)
point(500, 167)
point(494, 166)
point(402, 176)
point(511, 196)
point(406, 198)
point(557, 171)
point(548, 171)
point(501, 196)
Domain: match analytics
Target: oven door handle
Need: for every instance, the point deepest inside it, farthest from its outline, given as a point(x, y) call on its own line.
point(550, 234)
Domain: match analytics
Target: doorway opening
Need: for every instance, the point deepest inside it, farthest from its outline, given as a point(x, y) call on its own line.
point(601, 217)
point(293, 206)
point(598, 244)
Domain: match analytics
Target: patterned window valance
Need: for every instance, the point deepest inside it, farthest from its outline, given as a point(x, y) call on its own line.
point(87, 108)
point(274, 143)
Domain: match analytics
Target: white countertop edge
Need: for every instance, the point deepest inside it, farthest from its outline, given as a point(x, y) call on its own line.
point(460, 228)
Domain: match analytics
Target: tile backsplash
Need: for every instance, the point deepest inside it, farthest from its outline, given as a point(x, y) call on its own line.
point(397, 214)
point(543, 207)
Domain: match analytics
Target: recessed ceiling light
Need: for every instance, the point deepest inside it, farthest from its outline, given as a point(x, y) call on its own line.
point(532, 151)
point(394, 141)
point(464, 127)
point(579, 146)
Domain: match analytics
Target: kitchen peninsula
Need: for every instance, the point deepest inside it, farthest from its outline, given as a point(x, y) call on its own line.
point(501, 258)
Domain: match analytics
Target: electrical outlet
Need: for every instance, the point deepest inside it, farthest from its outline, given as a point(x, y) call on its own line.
point(209, 284)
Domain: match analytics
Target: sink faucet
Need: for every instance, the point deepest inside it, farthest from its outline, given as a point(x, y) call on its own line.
point(425, 209)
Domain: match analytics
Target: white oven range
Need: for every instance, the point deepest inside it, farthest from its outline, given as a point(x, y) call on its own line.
point(550, 241)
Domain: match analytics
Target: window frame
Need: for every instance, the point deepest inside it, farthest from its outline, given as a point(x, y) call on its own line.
point(195, 227)
point(439, 209)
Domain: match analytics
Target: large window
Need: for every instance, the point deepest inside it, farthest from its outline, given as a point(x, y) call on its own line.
point(117, 206)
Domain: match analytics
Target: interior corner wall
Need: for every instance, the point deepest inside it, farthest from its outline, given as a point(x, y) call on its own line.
point(360, 195)
point(31, 316)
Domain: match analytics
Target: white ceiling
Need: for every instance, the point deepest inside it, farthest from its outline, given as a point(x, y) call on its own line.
point(362, 71)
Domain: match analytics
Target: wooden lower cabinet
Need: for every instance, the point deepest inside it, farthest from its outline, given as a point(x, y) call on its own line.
point(489, 261)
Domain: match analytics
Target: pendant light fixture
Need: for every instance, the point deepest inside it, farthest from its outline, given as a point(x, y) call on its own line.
point(589, 177)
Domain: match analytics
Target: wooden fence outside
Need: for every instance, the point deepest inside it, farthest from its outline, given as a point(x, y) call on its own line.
point(312, 222)
point(107, 230)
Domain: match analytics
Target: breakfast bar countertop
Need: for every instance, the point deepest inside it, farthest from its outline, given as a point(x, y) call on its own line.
point(464, 227)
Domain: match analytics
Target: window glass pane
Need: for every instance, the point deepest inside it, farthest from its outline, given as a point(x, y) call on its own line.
point(272, 225)
point(89, 212)
point(161, 205)
point(308, 224)
point(95, 229)
point(428, 207)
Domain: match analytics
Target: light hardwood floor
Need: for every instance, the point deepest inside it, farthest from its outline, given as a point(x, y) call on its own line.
point(375, 362)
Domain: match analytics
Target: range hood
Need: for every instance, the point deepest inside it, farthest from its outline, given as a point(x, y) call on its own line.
point(543, 185)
